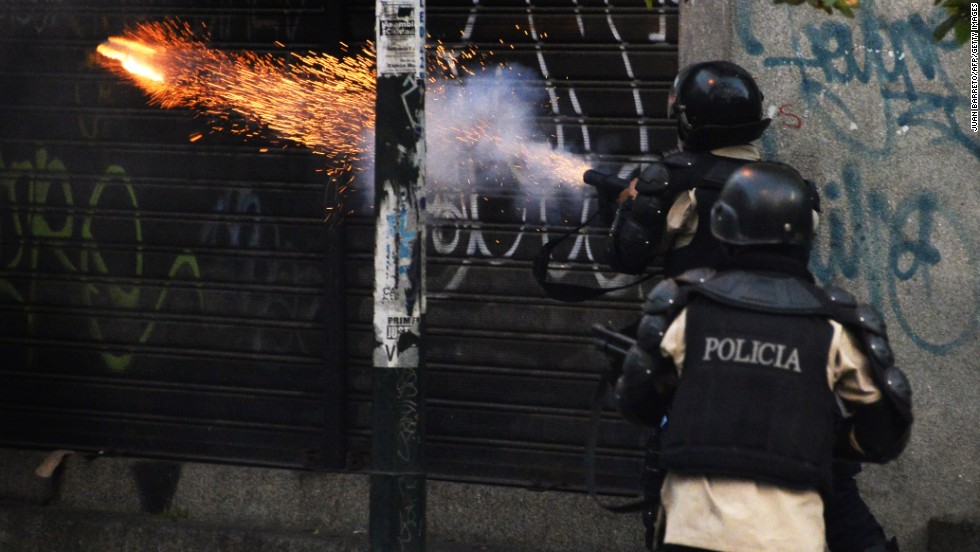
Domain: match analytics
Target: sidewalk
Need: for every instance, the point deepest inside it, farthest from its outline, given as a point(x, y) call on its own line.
point(117, 504)
point(29, 528)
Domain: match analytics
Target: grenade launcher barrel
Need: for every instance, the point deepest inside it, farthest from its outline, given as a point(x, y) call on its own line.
point(604, 182)
point(611, 342)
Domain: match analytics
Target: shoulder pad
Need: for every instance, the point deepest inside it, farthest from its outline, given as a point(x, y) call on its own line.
point(880, 350)
point(662, 298)
point(899, 386)
point(869, 319)
point(653, 179)
point(839, 296)
point(696, 276)
point(681, 159)
point(651, 330)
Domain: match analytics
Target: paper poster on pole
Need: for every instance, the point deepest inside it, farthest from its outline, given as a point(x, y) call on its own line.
point(400, 37)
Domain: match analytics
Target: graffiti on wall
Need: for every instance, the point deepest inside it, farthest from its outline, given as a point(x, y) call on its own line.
point(910, 251)
point(895, 62)
point(50, 230)
point(459, 231)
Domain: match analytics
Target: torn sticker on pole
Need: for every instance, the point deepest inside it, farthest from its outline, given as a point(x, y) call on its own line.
point(400, 37)
point(399, 276)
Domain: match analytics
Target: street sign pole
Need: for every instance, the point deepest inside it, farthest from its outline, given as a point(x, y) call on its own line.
point(397, 516)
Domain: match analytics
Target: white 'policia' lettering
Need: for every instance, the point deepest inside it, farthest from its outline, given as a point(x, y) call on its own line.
point(754, 352)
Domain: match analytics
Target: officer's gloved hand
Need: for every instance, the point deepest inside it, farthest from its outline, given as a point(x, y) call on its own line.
point(648, 208)
point(608, 205)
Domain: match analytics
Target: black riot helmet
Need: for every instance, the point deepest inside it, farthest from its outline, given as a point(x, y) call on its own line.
point(764, 203)
point(716, 104)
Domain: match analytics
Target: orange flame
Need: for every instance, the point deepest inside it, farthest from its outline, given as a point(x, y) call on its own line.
point(133, 57)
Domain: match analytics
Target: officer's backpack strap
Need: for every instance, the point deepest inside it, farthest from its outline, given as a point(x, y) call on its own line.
point(592, 443)
point(606, 382)
point(570, 293)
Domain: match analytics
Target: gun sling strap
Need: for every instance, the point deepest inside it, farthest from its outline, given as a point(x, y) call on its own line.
point(570, 293)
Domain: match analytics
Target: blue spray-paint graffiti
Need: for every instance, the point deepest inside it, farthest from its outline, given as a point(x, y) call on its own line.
point(238, 233)
point(893, 56)
point(910, 251)
point(867, 237)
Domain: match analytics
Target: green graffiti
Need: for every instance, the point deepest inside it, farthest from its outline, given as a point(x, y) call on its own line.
point(43, 217)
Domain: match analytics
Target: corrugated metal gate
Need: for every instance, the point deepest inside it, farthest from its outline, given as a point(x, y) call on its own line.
point(181, 299)
point(158, 296)
point(511, 374)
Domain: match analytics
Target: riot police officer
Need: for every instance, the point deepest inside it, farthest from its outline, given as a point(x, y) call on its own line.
point(751, 358)
point(717, 107)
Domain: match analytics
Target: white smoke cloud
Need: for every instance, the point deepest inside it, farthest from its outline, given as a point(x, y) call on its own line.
point(481, 133)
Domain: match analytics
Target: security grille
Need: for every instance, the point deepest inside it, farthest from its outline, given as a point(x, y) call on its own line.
point(511, 373)
point(167, 297)
point(163, 291)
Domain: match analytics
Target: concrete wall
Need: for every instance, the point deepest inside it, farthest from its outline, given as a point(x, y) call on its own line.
point(878, 114)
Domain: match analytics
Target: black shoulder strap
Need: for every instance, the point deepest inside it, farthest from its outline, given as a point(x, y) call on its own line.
point(570, 293)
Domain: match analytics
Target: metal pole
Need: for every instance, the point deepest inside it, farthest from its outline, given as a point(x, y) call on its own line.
point(397, 517)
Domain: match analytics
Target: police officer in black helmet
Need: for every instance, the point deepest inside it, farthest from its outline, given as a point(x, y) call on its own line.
point(718, 110)
point(751, 358)
point(717, 107)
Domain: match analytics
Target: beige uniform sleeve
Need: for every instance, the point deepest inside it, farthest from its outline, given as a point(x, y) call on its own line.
point(672, 345)
point(849, 373)
point(849, 370)
point(682, 221)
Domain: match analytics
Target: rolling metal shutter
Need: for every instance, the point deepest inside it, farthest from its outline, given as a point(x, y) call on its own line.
point(161, 297)
point(511, 374)
point(180, 299)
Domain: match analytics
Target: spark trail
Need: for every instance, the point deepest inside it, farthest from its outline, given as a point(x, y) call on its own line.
point(326, 103)
point(319, 101)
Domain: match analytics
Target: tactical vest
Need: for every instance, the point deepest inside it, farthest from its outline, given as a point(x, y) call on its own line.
point(753, 400)
point(706, 173)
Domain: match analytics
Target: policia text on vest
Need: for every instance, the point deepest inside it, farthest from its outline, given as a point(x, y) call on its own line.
point(777, 355)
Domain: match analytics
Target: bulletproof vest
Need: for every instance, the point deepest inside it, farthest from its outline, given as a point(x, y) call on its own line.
point(753, 400)
point(706, 173)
